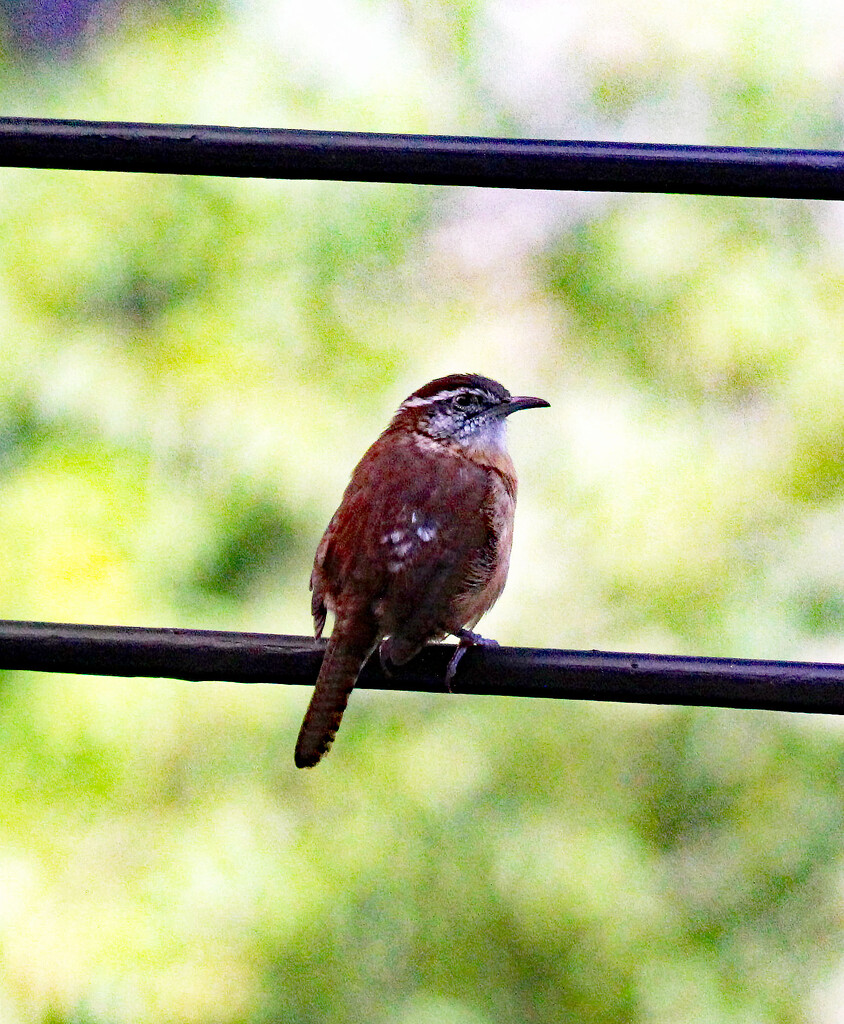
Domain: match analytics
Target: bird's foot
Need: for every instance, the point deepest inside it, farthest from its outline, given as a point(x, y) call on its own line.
point(465, 638)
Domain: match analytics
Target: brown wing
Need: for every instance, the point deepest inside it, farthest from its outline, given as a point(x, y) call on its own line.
point(409, 535)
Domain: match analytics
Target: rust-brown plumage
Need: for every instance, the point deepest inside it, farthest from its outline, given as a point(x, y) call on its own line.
point(420, 545)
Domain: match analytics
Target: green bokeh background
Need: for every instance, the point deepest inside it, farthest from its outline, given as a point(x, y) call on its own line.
point(190, 368)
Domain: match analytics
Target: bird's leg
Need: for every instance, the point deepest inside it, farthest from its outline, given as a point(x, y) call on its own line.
point(387, 664)
point(465, 638)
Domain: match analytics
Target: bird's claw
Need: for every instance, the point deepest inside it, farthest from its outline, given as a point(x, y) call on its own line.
point(465, 638)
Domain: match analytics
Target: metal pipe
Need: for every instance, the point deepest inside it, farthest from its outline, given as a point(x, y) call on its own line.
point(421, 159)
point(506, 671)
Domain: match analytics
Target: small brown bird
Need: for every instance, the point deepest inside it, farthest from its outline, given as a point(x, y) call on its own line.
point(420, 545)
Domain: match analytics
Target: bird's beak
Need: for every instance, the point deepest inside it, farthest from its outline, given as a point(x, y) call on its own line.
point(515, 403)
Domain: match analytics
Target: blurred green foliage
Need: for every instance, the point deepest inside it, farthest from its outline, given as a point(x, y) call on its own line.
point(191, 366)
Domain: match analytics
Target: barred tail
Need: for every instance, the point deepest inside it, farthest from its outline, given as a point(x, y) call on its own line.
point(344, 658)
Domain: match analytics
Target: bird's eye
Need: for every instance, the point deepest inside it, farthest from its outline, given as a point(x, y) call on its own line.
point(465, 401)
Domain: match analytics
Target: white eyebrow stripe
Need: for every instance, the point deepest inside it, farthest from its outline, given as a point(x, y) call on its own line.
point(440, 396)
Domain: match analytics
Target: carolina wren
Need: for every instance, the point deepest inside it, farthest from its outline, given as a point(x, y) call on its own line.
point(420, 545)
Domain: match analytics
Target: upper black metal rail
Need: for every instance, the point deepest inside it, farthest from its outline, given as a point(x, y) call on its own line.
point(421, 159)
point(506, 671)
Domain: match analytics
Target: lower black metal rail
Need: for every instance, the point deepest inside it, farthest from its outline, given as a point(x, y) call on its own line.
point(504, 671)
